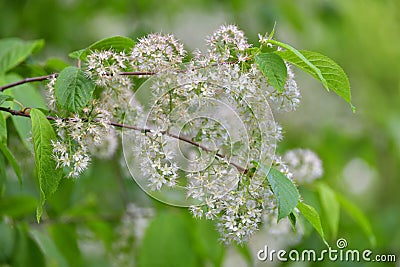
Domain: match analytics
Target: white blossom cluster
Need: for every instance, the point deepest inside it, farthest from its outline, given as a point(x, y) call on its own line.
point(78, 136)
point(206, 119)
point(185, 102)
point(305, 165)
point(156, 52)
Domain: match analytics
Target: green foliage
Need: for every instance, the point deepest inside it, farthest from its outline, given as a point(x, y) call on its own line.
point(117, 43)
point(330, 207)
point(26, 250)
point(167, 240)
point(313, 218)
point(322, 68)
point(53, 256)
point(13, 51)
point(206, 242)
point(3, 130)
point(286, 193)
point(11, 159)
point(274, 69)
point(358, 216)
point(4, 98)
point(47, 173)
point(73, 90)
point(18, 207)
point(7, 237)
point(30, 97)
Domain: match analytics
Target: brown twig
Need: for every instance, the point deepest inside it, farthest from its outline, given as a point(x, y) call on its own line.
point(24, 113)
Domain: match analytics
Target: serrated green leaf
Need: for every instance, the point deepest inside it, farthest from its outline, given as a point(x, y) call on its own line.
point(274, 69)
point(11, 159)
point(73, 90)
point(330, 207)
point(358, 216)
point(4, 98)
point(168, 234)
point(46, 168)
point(13, 51)
point(285, 191)
point(313, 218)
point(117, 43)
point(325, 70)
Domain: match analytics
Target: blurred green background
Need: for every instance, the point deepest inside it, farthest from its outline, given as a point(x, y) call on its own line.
point(360, 152)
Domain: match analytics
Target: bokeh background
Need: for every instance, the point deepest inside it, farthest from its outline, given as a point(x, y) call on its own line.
point(360, 151)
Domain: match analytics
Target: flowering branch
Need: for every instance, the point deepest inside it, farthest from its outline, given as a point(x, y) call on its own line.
point(24, 113)
point(54, 75)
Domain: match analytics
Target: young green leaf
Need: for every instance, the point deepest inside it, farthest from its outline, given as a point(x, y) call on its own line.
point(117, 43)
point(285, 191)
point(46, 168)
point(13, 51)
point(312, 217)
point(322, 68)
point(4, 98)
point(73, 90)
point(358, 216)
point(10, 157)
point(274, 69)
point(330, 207)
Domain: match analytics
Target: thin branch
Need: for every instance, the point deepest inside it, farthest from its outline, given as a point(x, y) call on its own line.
point(24, 113)
point(127, 73)
point(28, 80)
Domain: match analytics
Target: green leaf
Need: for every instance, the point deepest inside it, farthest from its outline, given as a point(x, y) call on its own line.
point(26, 251)
point(65, 237)
point(46, 168)
point(73, 90)
point(206, 241)
point(13, 51)
point(285, 191)
point(274, 69)
point(3, 129)
point(330, 207)
point(293, 219)
point(52, 255)
point(30, 97)
point(4, 98)
point(323, 69)
point(168, 234)
point(17, 206)
point(358, 216)
point(117, 43)
point(11, 159)
point(293, 53)
point(313, 218)
point(7, 237)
